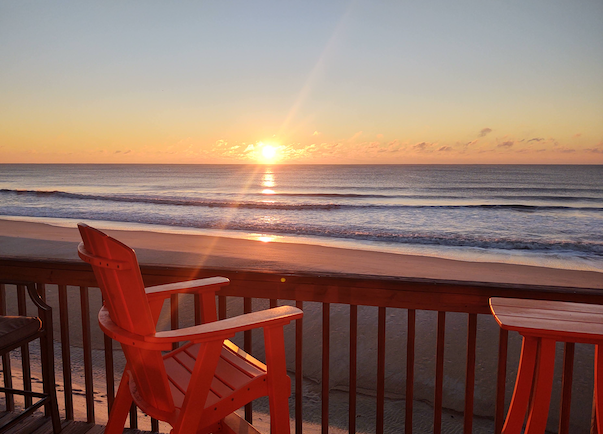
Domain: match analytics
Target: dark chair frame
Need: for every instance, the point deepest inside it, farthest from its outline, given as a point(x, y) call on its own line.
point(48, 398)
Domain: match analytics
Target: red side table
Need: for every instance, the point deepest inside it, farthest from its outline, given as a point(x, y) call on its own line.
point(542, 323)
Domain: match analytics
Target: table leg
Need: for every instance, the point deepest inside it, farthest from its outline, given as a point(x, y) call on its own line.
point(523, 386)
point(599, 387)
point(545, 367)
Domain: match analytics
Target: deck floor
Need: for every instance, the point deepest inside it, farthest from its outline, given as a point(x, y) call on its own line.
point(41, 425)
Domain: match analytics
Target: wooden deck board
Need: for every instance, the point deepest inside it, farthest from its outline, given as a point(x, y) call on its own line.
point(42, 425)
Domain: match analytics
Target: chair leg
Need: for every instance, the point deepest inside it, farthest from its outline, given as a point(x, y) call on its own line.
point(198, 388)
point(542, 388)
point(279, 384)
point(523, 386)
point(121, 407)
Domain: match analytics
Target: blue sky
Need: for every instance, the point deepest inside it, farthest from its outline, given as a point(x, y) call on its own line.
point(324, 82)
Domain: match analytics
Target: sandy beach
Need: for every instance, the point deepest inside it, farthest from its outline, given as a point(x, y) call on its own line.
point(38, 240)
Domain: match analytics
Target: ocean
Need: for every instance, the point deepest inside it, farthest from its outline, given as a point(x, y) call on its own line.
point(525, 214)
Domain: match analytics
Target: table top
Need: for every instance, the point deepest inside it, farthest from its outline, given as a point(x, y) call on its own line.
point(562, 321)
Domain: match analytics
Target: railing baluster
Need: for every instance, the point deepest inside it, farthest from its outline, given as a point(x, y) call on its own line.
point(439, 379)
point(87, 348)
point(221, 307)
point(133, 417)
point(470, 375)
point(6, 370)
point(109, 372)
point(154, 425)
point(299, 379)
point(326, 334)
point(41, 288)
point(501, 379)
point(566, 387)
point(353, 367)
point(273, 303)
point(410, 369)
point(66, 351)
point(247, 347)
point(198, 313)
point(380, 370)
point(25, 360)
point(174, 316)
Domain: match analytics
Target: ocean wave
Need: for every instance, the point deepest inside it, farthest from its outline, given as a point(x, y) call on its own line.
point(268, 202)
point(592, 248)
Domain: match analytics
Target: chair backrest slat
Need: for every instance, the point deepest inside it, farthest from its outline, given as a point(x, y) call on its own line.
point(118, 275)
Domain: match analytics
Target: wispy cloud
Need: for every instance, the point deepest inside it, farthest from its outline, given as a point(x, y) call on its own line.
point(536, 139)
point(484, 132)
point(355, 136)
point(507, 144)
point(422, 146)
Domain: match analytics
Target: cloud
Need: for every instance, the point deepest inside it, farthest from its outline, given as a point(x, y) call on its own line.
point(379, 136)
point(355, 136)
point(506, 144)
point(249, 148)
point(420, 146)
point(445, 149)
point(577, 134)
point(484, 132)
point(598, 149)
point(316, 133)
point(394, 146)
point(536, 139)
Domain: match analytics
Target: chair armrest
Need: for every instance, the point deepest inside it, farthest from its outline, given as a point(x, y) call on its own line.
point(123, 336)
point(218, 330)
point(186, 287)
point(223, 329)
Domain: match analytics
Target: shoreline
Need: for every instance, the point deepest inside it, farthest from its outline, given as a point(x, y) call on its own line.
point(464, 254)
point(42, 240)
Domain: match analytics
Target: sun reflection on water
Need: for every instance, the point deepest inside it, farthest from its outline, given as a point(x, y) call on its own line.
point(268, 179)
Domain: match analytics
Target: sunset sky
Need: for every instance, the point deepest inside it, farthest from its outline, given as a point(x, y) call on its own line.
point(317, 81)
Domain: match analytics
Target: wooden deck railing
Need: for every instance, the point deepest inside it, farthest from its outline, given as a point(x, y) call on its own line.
point(393, 298)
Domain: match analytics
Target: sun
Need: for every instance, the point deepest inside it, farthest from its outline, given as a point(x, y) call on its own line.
point(268, 152)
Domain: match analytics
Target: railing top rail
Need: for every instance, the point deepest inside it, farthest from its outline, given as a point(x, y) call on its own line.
point(401, 292)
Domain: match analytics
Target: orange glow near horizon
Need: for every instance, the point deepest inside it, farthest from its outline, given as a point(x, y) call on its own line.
point(313, 95)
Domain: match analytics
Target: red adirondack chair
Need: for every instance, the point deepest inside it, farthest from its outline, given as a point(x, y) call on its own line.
point(195, 387)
